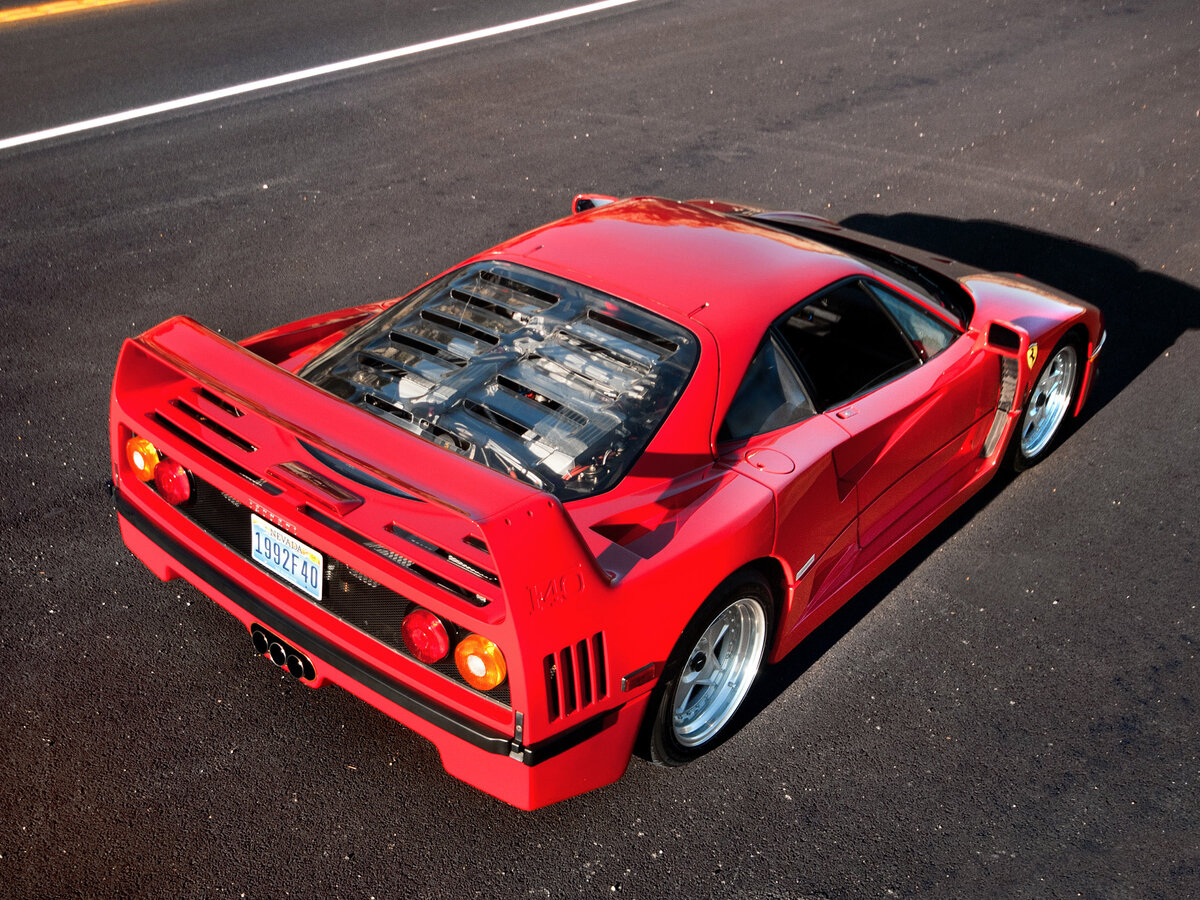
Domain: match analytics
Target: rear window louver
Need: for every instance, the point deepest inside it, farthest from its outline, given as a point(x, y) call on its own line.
point(426, 350)
point(630, 330)
point(506, 286)
point(542, 379)
point(575, 677)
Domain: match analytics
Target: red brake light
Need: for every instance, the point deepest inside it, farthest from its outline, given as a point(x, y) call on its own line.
point(173, 482)
point(425, 636)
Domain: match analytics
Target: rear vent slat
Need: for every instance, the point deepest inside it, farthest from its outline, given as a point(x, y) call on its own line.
point(599, 677)
point(542, 402)
point(575, 677)
point(454, 560)
point(495, 418)
point(583, 675)
point(471, 541)
point(534, 296)
point(486, 314)
point(219, 402)
point(178, 430)
point(387, 406)
point(553, 689)
point(592, 347)
point(236, 439)
point(460, 325)
point(633, 331)
point(458, 585)
point(441, 354)
point(566, 669)
point(428, 575)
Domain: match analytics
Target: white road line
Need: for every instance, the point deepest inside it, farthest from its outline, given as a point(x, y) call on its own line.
point(316, 72)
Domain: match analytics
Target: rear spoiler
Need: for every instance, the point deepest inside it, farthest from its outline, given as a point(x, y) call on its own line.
point(527, 531)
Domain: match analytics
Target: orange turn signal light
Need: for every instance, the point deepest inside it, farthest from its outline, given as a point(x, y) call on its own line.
point(480, 662)
point(142, 457)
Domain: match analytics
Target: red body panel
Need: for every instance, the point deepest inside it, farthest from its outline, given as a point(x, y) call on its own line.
point(577, 596)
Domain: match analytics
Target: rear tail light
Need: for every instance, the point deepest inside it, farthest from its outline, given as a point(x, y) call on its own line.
point(480, 662)
point(142, 456)
point(173, 482)
point(425, 636)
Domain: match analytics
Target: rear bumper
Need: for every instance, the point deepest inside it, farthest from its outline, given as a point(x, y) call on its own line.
point(590, 755)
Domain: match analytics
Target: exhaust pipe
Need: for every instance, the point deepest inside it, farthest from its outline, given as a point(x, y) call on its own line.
point(286, 657)
point(261, 641)
point(295, 665)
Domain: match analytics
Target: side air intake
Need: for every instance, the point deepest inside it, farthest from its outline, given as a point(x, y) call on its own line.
point(575, 677)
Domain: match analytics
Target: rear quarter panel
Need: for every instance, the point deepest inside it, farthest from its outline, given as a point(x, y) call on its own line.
point(1045, 314)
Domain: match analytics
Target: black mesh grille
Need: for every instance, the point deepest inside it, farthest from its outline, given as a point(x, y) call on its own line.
point(348, 594)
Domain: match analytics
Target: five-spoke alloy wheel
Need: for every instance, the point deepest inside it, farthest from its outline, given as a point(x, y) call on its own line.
point(710, 671)
point(1048, 406)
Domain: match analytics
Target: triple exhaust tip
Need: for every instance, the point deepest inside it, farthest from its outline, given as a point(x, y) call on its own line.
point(280, 653)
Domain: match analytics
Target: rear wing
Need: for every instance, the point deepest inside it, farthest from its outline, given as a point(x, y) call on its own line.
point(462, 523)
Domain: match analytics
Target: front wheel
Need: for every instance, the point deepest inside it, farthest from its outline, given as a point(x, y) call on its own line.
point(1048, 406)
point(710, 671)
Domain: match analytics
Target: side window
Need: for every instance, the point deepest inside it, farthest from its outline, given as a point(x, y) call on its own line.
point(846, 343)
point(770, 396)
point(928, 335)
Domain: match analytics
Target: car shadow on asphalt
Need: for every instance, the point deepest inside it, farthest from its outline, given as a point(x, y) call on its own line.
point(1145, 314)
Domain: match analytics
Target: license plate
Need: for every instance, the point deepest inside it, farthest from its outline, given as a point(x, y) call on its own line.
point(285, 557)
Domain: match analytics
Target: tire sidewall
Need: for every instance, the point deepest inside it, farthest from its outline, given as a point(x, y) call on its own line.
point(659, 742)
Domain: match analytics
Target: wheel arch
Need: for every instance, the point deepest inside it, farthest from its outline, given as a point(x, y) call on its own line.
point(772, 570)
point(768, 573)
point(1079, 335)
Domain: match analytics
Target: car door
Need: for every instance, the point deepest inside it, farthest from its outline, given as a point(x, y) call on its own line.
point(908, 392)
point(774, 434)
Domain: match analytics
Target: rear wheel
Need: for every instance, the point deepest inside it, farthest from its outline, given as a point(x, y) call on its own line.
point(710, 671)
point(1042, 423)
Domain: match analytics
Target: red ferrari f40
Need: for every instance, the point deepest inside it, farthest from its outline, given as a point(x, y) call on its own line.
point(571, 496)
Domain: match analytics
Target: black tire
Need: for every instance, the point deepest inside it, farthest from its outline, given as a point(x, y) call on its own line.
point(742, 610)
point(1049, 410)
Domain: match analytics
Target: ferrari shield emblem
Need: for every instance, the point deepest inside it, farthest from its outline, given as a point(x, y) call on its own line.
point(1031, 355)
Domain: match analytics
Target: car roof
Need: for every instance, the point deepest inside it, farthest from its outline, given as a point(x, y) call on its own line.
point(732, 275)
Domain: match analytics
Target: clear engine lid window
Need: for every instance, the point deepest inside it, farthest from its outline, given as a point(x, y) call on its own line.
point(543, 379)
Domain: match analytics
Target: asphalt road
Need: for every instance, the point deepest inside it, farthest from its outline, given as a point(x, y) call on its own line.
point(1010, 713)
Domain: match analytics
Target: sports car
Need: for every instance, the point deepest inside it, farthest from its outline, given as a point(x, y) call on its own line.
point(569, 498)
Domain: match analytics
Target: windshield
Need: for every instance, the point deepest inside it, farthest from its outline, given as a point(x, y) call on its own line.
point(540, 378)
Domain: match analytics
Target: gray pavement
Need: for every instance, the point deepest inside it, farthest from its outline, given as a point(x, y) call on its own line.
point(1010, 712)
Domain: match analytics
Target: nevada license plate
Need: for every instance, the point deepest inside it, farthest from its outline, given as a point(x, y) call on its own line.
point(285, 557)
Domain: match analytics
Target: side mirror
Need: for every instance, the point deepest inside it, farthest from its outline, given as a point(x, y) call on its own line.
point(584, 202)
